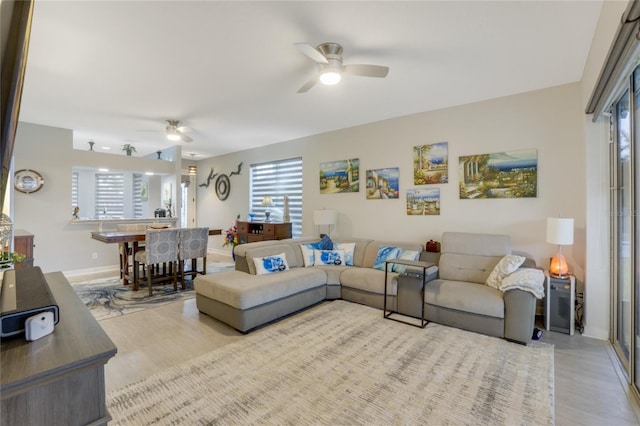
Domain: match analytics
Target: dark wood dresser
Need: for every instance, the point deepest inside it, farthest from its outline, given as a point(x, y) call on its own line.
point(249, 232)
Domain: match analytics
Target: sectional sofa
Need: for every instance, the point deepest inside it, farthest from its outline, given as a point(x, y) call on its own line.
point(455, 293)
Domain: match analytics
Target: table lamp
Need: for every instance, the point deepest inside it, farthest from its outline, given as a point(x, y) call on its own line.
point(325, 217)
point(267, 202)
point(559, 232)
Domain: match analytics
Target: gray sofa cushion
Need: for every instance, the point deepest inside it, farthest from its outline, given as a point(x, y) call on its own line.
point(471, 257)
point(465, 296)
point(333, 273)
point(368, 279)
point(236, 289)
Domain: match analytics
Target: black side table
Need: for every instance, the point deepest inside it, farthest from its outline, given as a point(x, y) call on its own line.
point(416, 263)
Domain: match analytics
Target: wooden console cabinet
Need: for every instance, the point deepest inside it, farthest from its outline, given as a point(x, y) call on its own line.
point(58, 379)
point(249, 232)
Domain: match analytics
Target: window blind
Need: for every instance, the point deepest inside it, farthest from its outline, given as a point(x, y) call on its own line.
point(277, 179)
point(110, 194)
point(137, 195)
point(74, 190)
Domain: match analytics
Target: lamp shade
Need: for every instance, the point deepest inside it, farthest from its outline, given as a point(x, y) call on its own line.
point(559, 231)
point(267, 201)
point(193, 170)
point(325, 217)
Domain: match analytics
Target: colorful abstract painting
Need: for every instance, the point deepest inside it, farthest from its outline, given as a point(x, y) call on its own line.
point(340, 176)
point(511, 174)
point(431, 163)
point(383, 184)
point(423, 202)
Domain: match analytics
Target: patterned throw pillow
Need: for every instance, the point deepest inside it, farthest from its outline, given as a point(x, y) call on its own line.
point(385, 253)
point(507, 265)
point(270, 264)
point(405, 255)
point(349, 249)
point(329, 257)
point(325, 243)
point(307, 253)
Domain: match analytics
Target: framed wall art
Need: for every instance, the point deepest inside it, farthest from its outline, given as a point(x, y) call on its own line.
point(431, 163)
point(383, 184)
point(509, 174)
point(340, 176)
point(423, 202)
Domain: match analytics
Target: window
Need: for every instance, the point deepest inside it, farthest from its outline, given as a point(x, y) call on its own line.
point(74, 190)
point(137, 195)
point(110, 195)
point(276, 179)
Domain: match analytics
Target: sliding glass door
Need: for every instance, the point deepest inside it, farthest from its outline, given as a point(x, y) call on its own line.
point(622, 226)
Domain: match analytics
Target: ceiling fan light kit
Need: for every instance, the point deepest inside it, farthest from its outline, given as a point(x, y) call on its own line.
point(329, 57)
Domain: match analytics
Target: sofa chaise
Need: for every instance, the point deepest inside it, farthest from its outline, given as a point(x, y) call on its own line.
point(455, 293)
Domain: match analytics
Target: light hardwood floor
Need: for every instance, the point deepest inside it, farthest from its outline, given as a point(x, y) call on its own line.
point(588, 386)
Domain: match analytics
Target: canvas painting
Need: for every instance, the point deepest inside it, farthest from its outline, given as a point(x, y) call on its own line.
point(382, 184)
point(431, 163)
point(510, 174)
point(423, 202)
point(340, 176)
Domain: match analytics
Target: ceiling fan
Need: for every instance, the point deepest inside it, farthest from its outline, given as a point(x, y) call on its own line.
point(329, 57)
point(175, 131)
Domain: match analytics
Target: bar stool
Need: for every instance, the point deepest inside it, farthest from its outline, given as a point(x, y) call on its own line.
point(161, 246)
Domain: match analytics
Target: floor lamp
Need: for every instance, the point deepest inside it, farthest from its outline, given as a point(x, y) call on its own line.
point(559, 232)
point(325, 217)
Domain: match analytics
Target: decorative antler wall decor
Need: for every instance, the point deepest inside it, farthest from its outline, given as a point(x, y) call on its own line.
point(222, 184)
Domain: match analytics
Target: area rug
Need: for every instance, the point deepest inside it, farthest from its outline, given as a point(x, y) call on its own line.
point(108, 297)
point(341, 363)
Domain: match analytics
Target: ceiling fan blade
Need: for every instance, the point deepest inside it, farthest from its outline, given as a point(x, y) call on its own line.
point(185, 137)
point(311, 52)
point(308, 85)
point(367, 70)
point(184, 129)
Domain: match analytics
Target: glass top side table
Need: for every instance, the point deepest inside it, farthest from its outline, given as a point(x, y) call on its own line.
point(387, 313)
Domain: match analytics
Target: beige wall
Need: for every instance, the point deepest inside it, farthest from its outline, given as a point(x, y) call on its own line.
point(60, 243)
point(548, 120)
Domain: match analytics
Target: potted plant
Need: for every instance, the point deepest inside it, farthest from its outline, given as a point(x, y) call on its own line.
point(128, 148)
point(231, 239)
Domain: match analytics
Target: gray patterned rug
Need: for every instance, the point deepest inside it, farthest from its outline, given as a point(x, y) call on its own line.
point(108, 297)
point(341, 363)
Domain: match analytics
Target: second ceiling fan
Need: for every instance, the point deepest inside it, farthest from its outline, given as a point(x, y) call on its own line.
point(329, 57)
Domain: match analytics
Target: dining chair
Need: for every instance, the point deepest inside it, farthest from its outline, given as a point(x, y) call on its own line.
point(124, 257)
point(161, 247)
point(193, 245)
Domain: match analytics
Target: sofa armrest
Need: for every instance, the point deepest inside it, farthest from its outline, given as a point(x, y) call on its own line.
point(519, 315)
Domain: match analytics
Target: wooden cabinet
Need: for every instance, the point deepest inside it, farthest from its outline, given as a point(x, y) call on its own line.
point(58, 379)
point(23, 244)
point(249, 232)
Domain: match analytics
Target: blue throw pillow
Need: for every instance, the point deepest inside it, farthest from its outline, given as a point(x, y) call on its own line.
point(406, 255)
point(325, 243)
point(385, 253)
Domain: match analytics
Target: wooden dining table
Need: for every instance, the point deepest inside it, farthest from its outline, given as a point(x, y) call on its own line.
point(127, 238)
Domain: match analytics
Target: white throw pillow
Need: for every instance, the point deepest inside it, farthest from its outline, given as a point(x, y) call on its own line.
point(270, 264)
point(307, 253)
point(507, 265)
point(349, 249)
point(329, 257)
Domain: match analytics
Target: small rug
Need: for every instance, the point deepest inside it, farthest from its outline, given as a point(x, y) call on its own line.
point(342, 363)
point(108, 297)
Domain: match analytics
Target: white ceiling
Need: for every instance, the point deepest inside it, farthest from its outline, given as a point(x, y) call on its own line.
point(230, 70)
